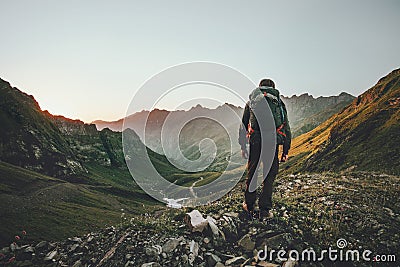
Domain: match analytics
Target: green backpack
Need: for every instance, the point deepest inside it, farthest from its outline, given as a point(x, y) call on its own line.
point(277, 107)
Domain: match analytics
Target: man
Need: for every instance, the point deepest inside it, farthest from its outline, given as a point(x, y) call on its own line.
point(250, 132)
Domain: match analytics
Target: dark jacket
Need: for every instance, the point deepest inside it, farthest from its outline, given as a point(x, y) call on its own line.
point(243, 130)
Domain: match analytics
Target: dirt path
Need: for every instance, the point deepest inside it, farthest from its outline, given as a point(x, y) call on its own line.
point(193, 185)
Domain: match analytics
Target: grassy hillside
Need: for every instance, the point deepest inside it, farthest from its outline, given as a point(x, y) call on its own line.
point(29, 138)
point(363, 136)
point(52, 209)
point(61, 177)
point(311, 122)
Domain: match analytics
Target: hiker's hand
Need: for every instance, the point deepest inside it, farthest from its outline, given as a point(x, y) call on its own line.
point(245, 155)
point(284, 157)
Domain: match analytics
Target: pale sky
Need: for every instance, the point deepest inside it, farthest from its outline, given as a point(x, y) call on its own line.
point(86, 59)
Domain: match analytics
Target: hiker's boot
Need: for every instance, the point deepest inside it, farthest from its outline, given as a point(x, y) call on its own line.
point(249, 213)
point(265, 215)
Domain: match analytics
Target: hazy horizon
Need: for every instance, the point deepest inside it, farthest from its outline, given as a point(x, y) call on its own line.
point(199, 104)
point(86, 60)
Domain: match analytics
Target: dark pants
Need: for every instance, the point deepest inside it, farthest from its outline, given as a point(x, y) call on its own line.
point(265, 199)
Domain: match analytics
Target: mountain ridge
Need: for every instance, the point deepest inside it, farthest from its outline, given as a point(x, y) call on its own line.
point(304, 111)
point(372, 118)
point(311, 209)
point(57, 173)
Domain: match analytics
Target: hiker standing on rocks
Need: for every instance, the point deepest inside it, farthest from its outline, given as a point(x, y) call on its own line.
point(250, 132)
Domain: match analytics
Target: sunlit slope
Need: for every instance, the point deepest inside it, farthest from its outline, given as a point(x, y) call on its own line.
point(363, 136)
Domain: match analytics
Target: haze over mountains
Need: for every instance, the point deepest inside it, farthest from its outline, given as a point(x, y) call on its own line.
point(305, 113)
point(60, 177)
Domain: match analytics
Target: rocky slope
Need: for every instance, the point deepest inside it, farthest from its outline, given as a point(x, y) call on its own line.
point(311, 211)
point(363, 136)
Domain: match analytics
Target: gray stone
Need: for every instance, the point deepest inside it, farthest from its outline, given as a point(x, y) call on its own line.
point(223, 257)
point(42, 245)
point(184, 258)
point(151, 264)
point(51, 255)
point(73, 248)
point(13, 247)
point(194, 251)
point(78, 263)
point(290, 263)
point(75, 239)
point(171, 244)
point(275, 242)
point(151, 251)
point(5, 250)
point(267, 264)
point(212, 259)
point(29, 249)
point(235, 261)
point(232, 214)
point(214, 228)
point(246, 243)
point(76, 256)
point(26, 254)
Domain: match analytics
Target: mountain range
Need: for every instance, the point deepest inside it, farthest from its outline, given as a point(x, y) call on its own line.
point(62, 177)
point(305, 113)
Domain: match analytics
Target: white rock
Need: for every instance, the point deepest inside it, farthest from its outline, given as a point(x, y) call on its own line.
point(214, 228)
point(195, 221)
point(194, 251)
point(235, 260)
point(151, 264)
point(232, 214)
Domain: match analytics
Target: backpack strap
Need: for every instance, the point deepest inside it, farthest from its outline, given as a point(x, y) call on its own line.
point(250, 130)
point(282, 112)
point(279, 129)
point(271, 96)
point(278, 99)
